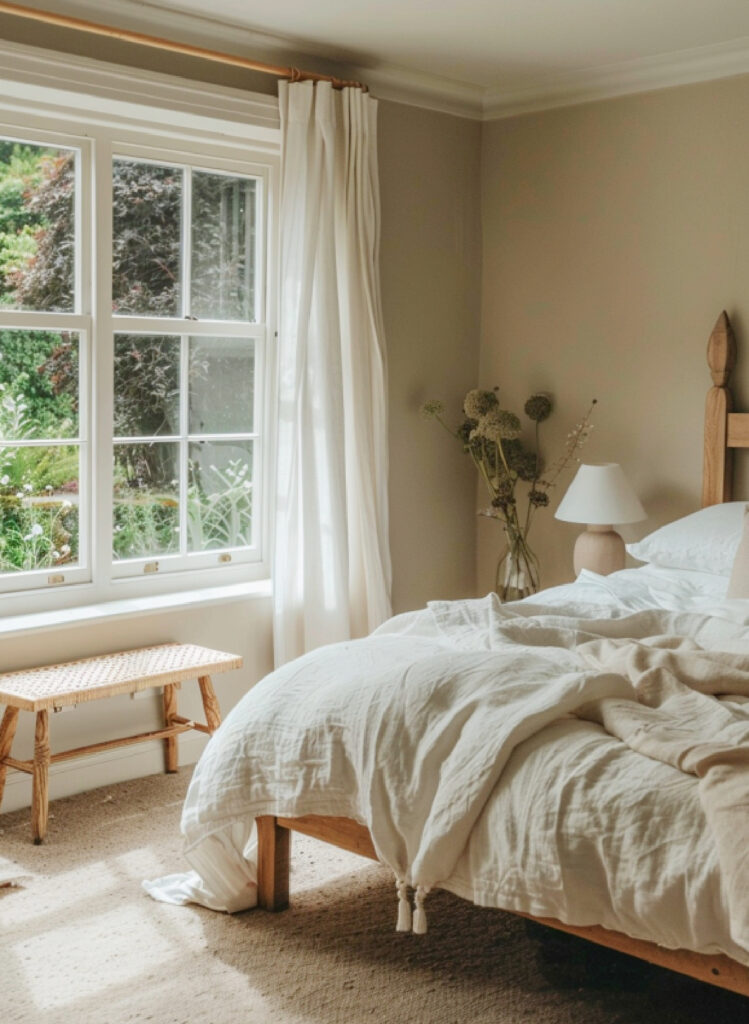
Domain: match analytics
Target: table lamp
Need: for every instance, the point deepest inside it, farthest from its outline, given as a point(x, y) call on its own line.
point(600, 495)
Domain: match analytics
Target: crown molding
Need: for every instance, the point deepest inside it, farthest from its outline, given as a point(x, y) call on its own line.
point(387, 82)
point(416, 88)
point(702, 64)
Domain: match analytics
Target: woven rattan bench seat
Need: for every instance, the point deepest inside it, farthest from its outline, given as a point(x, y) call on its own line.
point(73, 682)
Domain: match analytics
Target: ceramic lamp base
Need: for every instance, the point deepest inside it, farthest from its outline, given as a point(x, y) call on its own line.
point(599, 549)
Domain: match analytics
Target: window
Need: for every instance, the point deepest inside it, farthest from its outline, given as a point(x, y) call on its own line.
point(133, 335)
point(44, 454)
point(184, 255)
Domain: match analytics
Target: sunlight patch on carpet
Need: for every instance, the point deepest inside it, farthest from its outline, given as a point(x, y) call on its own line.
point(141, 863)
point(85, 958)
point(61, 892)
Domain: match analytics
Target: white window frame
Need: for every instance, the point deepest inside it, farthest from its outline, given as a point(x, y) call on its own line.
point(112, 128)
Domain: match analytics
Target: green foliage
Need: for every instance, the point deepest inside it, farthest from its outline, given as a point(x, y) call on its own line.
point(41, 367)
point(144, 525)
point(37, 534)
point(146, 385)
point(38, 522)
point(20, 172)
point(222, 516)
point(44, 280)
point(147, 240)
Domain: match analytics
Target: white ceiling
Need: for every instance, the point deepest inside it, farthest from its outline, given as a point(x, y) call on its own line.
point(514, 54)
point(489, 43)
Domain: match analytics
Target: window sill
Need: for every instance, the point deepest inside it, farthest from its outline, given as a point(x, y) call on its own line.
point(63, 618)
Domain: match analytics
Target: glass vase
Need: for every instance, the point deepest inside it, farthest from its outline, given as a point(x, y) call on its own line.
point(517, 570)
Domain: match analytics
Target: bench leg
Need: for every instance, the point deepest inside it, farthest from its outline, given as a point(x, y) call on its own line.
point(210, 703)
point(273, 861)
point(40, 791)
point(7, 734)
point(170, 743)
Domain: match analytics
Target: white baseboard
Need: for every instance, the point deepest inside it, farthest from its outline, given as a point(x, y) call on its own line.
point(93, 770)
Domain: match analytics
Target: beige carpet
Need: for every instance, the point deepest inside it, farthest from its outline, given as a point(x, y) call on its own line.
point(80, 942)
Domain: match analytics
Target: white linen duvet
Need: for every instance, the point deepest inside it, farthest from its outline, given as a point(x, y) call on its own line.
point(497, 751)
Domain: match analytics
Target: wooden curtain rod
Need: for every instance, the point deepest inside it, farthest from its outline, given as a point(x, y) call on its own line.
point(157, 43)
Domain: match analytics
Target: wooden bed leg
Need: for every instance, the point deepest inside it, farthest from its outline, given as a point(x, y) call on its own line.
point(273, 849)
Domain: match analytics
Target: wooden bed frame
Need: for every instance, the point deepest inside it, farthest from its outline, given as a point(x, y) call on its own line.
point(724, 431)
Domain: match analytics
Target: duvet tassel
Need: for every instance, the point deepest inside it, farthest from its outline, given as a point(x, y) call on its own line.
point(404, 907)
point(420, 915)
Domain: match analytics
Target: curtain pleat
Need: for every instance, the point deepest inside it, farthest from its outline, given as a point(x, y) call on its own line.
point(331, 566)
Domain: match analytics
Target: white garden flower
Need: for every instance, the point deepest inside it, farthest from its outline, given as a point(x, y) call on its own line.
point(36, 530)
point(28, 487)
point(5, 480)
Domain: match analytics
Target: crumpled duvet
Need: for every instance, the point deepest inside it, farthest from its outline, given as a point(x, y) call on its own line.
point(411, 734)
point(672, 716)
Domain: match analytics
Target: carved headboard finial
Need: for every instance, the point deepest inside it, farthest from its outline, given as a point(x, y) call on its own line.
point(721, 351)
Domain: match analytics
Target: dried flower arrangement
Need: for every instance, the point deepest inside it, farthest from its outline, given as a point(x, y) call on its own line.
point(490, 435)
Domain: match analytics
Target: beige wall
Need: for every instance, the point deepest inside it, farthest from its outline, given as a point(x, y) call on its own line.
point(431, 275)
point(431, 295)
point(614, 234)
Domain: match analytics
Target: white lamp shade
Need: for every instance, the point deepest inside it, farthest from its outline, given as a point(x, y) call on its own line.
point(600, 495)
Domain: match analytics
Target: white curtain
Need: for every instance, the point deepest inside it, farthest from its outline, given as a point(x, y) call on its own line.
point(331, 566)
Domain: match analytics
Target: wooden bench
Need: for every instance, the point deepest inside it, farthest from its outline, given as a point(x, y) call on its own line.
point(75, 682)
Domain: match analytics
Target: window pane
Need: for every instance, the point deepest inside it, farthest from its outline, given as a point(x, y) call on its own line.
point(222, 372)
point(147, 235)
point(146, 499)
point(219, 495)
point(37, 227)
point(223, 247)
point(38, 385)
point(146, 385)
point(38, 507)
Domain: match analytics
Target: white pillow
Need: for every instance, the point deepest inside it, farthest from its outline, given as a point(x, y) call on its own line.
point(706, 540)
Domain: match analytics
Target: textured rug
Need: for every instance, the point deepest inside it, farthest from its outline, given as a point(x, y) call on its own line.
point(80, 942)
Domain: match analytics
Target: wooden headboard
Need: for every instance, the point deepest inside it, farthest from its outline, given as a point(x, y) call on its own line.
point(724, 429)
